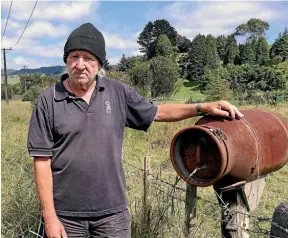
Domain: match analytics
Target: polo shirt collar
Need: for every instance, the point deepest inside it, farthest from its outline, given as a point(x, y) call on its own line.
point(60, 93)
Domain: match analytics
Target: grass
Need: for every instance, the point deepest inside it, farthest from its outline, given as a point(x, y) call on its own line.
point(186, 89)
point(20, 204)
point(19, 201)
point(11, 79)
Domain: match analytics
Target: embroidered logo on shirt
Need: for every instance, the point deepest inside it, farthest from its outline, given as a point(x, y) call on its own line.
point(108, 107)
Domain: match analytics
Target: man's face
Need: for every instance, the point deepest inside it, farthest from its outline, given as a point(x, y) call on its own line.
point(82, 66)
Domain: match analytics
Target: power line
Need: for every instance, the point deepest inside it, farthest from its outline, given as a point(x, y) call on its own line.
point(7, 20)
point(26, 24)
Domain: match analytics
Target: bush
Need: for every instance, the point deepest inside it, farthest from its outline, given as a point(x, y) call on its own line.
point(32, 94)
point(28, 96)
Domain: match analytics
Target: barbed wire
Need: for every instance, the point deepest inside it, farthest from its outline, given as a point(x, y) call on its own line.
point(156, 181)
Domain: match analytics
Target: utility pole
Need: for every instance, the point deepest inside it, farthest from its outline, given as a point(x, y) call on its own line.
point(25, 85)
point(5, 73)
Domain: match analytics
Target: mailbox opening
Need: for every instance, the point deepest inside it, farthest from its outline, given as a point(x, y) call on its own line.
point(197, 156)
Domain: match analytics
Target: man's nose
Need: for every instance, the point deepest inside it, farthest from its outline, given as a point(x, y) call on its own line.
point(80, 64)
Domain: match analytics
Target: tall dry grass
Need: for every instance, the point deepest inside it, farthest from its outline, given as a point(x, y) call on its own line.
point(19, 200)
point(20, 207)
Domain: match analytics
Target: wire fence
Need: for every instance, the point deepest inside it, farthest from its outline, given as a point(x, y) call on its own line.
point(207, 209)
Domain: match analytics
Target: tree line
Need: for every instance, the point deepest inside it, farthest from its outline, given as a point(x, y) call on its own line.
point(251, 70)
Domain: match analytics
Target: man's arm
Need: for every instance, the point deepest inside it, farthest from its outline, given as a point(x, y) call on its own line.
point(44, 183)
point(177, 112)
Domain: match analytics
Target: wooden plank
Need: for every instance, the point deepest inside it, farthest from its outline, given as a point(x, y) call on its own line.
point(253, 192)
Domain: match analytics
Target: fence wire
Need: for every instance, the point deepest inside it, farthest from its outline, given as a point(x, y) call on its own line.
point(164, 186)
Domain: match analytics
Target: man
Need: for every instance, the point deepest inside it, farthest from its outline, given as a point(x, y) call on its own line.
point(76, 134)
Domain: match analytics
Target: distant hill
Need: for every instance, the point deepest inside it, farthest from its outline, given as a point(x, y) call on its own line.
point(9, 71)
point(44, 70)
point(51, 70)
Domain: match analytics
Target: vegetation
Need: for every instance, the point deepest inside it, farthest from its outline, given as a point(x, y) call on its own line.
point(251, 72)
point(20, 206)
point(206, 68)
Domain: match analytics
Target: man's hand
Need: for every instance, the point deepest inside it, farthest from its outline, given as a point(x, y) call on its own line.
point(54, 228)
point(220, 108)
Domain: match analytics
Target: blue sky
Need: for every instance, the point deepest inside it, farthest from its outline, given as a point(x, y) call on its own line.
point(121, 22)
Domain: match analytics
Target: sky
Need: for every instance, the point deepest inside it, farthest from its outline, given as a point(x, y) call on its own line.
point(121, 23)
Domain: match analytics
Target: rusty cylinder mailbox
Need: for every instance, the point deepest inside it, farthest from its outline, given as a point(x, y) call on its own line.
point(240, 150)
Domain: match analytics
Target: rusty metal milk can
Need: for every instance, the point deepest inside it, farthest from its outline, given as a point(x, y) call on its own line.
point(240, 149)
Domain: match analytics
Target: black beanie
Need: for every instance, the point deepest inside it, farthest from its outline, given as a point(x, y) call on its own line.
point(86, 37)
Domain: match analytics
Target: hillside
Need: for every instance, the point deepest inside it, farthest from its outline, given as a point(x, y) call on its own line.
point(45, 70)
point(9, 71)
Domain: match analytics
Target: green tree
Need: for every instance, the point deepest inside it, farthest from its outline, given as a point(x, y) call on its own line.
point(32, 94)
point(212, 59)
point(106, 65)
point(262, 51)
point(120, 76)
point(16, 88)
point(217, 86)
point(9, 91)
point(151, 33)
point(163, 75)
point(221, 46)
point(123, 64)
point(252, 30)
point(280, 46)
point(231, 50)
point(238, 78)
point(182, 44)
point(196, 59)
point(139, 77)
point(247, 54)
point(128, 63)
point(164, 47)
point(163, 27)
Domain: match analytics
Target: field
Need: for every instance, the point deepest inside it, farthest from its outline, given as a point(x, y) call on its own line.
point(11, 79)
point(20, 208)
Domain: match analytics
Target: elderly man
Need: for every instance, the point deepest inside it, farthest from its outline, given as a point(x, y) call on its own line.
point(76, 134)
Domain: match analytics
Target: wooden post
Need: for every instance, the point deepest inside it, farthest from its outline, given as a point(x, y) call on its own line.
point(146, 205)
point(190, 208)
point(237, 201)
point(235, 220)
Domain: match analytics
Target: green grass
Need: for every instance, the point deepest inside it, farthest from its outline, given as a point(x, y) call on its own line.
point(11, 79)
point(186, 89)
point(20, 204)
point(19, 201)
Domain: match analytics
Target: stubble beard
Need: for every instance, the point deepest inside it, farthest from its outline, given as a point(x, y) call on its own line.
point(82, 84)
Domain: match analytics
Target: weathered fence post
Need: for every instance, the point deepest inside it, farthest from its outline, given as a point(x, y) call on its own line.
point(190, 208)
point(279, 225)
point(237, 201)
point(146, 205)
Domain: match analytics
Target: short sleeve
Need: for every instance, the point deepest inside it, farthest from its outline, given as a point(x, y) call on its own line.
point(140, 112)
point(40, 137)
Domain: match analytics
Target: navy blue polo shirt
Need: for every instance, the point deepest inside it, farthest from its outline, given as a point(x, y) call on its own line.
point(85, 143)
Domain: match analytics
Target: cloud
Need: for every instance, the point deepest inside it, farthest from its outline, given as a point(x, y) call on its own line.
point(48, 10)
point(33, 47)
point(42, 28)
point(114, 60)
point(18, 61)
point(12, 25)
point(192, 18)
point(136, 52)
point(116, 42)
